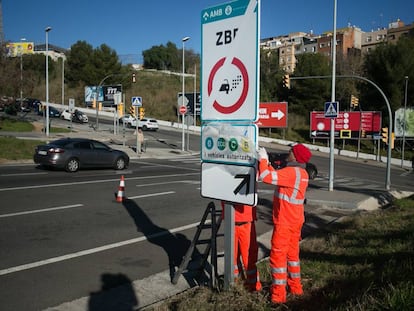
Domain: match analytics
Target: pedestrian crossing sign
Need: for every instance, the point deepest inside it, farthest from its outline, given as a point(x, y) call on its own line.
point(331, 109)
point(136, 101)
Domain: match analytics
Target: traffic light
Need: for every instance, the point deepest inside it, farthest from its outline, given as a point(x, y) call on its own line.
point(354, 102)
point(133, 78)
point(141, 113)
point(286, 81)
point(132, 111)
point(120, 108)
point(363, 133)
point(384, 133)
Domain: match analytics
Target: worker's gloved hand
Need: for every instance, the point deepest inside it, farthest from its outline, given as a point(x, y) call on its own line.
point(262, 154)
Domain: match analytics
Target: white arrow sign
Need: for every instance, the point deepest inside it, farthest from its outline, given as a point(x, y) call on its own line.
point(279, 114)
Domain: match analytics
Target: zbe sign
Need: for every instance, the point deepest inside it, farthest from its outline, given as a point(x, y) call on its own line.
point(230, 69)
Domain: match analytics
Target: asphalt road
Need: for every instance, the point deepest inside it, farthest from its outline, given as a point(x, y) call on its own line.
point(64, 236)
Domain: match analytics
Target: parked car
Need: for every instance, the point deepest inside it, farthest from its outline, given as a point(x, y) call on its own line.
point(278, 161)
point(33, 103)
point(72, 154)
point(66, 115)
point(79, 116)
point(127, 119)
point(53, 112)
point(147, 124)
point(23, 104)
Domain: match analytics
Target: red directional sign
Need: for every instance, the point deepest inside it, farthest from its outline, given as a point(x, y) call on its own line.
point(183, 109)
point(348, 124)
point(273, 115)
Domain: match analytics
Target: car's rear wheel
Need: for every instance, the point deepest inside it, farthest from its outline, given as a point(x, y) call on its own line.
point(120, 164)
point(144, 128)
point(312, 170)
point(72, 165)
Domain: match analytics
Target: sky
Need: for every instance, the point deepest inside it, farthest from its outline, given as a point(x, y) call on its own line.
point(132, 26)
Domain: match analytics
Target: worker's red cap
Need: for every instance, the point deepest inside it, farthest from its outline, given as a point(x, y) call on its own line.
point(302, 153)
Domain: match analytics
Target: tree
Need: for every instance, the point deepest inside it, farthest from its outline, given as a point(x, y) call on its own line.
point(106, 62)
point(168, 57)
point(310, 94)
point(88, 66)
point(387, 66)
point(269, 76)
point(80, 66)
point(350, 64)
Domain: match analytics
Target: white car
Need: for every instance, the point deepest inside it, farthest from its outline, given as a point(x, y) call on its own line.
point(66, 115)
point(128, 119)
point(147, 124)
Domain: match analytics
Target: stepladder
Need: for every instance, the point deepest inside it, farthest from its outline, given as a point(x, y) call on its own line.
point(199, 264)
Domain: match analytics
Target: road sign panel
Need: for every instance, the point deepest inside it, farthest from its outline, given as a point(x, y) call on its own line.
point(230, 48)
point(354, 121)
point(228, 143)
point(331, 109)
point(233, 183)
point(136, 101)
point(273, 115)
point(183, 109)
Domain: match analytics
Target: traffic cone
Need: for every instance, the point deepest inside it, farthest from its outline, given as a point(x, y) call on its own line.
point(121, 190)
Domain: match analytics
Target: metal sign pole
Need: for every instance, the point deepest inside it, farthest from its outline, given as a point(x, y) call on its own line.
point(136, 130)
point(228, 245)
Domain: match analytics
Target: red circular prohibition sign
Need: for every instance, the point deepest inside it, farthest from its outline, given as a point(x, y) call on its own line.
point(236, 106)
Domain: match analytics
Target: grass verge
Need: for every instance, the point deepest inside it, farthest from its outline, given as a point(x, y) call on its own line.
point(363, 263)
point(15, 149)
point(12, 148)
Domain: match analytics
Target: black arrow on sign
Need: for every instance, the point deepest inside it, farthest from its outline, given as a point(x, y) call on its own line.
point(245, 181)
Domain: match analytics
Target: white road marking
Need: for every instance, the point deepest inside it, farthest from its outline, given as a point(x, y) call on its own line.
point(92, 250)
point(21, 174)
point(93, 182)
point(40, 210)
point(151, 195)
point(191, 182)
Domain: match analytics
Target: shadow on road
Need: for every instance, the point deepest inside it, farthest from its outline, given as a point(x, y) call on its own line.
point(175, 245)
point(116, 293)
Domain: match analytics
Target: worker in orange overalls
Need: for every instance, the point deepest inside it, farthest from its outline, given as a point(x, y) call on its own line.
point(245, 245)
point(288, 217)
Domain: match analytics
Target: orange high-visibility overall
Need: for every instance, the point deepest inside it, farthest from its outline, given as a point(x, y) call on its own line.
point(245, 245)
point(288, 217)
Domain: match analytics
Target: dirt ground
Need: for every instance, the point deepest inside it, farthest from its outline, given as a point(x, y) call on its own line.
point(38, 126)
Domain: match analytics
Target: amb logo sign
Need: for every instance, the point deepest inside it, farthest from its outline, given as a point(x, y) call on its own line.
point(230, 57)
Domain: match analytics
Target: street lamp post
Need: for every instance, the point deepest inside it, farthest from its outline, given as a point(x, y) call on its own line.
point(21, 73)
point(405, 109)
point(63, 80)
point(332, 132)
point(182, 95)
point(47, 79)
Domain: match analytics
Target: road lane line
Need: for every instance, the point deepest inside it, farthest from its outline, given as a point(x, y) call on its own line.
point(93, 250)
point(190, 182)
point(93, 182)
point(21, 174)
point(40, 210)
point(151, 195)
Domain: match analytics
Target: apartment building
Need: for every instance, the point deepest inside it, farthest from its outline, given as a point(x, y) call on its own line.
point(349, 39)
point(370, 40)
point(395, 30)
